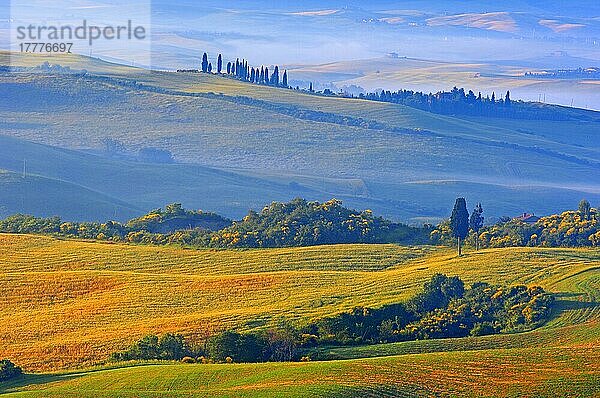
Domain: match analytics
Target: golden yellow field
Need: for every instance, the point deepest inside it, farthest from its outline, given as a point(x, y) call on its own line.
point(70, 303)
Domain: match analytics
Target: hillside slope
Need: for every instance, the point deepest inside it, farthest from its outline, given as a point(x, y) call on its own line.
point(74, 302)
point(397, 155)
point(48, 197)
point(144, 186)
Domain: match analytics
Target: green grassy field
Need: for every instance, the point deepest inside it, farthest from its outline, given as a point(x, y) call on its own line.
point(67, 304)
point(405, 175)
point(547, 372)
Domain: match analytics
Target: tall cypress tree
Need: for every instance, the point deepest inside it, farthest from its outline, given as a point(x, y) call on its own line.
point(459, 222)
point(219, 64)
point(252, 76)
point(266, 75)
point(476, 223)
point(209, 67)
point(275, 76)
point(229, 68)
point(262, 75)
point(285, 80)
point(205, 63)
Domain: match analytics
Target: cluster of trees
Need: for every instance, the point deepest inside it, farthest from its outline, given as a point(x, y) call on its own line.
point(444, 308)
point(158, 222)
point(271, 345)
point(170, 346)
point(116, 149)
point(241, 70)
point(574, 228)
point(460, 223)
point(296, 223)
point(459, 102)
point(304, 223)
point(174, 217)
point(579, 73)
point(9, 370)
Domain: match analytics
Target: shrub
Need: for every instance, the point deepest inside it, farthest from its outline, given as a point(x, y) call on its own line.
point(483, 329)
point(9, 370)
point(188, 360)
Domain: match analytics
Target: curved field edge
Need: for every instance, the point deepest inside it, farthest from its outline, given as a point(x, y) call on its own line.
point(503, 372)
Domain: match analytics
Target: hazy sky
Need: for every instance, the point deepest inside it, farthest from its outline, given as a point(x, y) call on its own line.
point(287, 32)
point(325, 31)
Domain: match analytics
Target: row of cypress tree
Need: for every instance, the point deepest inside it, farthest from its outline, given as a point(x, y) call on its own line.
point(240, 69)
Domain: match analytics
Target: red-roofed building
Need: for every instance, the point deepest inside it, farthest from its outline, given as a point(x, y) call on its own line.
point(528, 218)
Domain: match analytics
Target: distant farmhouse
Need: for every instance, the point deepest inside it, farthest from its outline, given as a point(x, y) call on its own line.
point(528, 218)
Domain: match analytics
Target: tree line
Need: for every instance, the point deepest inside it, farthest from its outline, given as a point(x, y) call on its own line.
point(307, 223)
point(295, 223)
point(444, 308)
point(241, 70)
point(572, 228)
point(460, 102)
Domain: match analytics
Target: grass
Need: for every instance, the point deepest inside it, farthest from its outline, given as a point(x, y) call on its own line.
point(70, 303)
point(520, 372)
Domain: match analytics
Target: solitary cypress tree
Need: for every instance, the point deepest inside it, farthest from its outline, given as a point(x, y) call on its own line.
point(459, 222)
point(476, 223)
point(285, 81)
point(205, 62)
point(219, 64)
point(310, 88)
point(507, 99)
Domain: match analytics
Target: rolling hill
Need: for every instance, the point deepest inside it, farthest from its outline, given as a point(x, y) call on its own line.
point(401, 162)
point(72, 303)
point(49, 197)
point(396, 72)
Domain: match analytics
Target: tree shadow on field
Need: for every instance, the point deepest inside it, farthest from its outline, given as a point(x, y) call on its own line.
point(32, 379)
point(569, 302)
